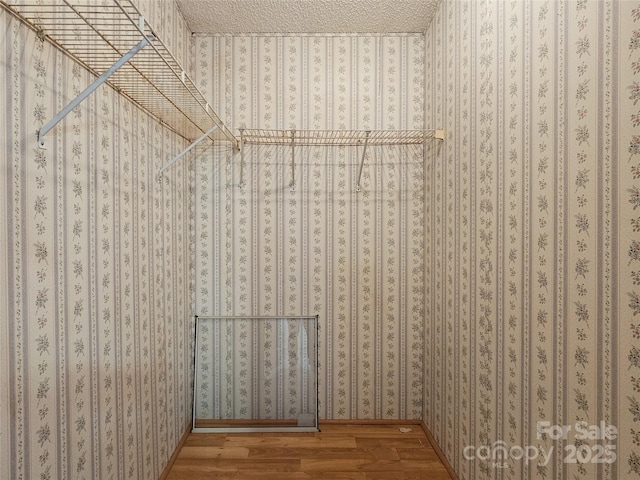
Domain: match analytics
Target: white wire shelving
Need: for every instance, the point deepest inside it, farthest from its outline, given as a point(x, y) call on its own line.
point(364, 138)
point(337, 137)
point(115, 42)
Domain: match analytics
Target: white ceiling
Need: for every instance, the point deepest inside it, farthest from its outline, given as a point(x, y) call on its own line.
point(307, 16)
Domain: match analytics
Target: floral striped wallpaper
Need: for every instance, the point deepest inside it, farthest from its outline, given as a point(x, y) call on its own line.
point(170, 26)
point(501, 268)
point(95, 273)
point(353, 258)
point(532, 235)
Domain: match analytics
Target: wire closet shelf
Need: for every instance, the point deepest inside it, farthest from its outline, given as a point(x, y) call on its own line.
point(365, 138)
point(98, 35)
point(337, 137)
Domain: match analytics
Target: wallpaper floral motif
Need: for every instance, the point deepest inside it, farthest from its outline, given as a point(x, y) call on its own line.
point(531, 235)
point(353, 258)
point(96, 331)
point(628, 174)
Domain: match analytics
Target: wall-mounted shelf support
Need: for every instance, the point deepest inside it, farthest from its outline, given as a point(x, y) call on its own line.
point(242, 158)
point(90, 89)
point(364, 152)
point(439, 134)
point(189, 148)
point(293, 164)
point(98, 36)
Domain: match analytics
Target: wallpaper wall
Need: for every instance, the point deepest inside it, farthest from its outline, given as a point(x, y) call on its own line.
point(169, 24)
point(532, 237)
point(96, 296)
point(353, 258)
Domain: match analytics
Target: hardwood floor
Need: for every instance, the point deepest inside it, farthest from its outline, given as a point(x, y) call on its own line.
point(338, 452)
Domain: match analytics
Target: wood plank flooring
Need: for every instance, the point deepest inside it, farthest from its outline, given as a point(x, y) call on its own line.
point(338, 452)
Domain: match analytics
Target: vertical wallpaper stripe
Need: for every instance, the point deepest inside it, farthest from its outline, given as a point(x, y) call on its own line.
point(5, 300)
point(472, 228)
point(456, 402)
point(612, 368)
point(527, 94)
point(562, 114)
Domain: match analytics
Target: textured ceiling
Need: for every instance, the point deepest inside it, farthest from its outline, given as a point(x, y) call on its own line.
point(308, 16)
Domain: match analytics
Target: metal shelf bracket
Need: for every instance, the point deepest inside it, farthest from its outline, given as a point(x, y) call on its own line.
point(90, 89)
point(188, 149)
point(242, 184)
point(293, 158)
point(364, 152)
